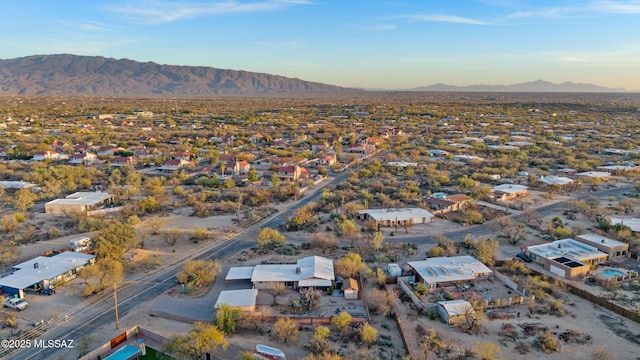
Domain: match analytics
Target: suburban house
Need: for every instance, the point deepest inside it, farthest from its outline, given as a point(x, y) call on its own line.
point(568, 258)
point(504, 192)
point(145, 153)
point(108, 150)
point(393, 217)
point(453, 311)
point(124, 161)
point(440, 272)
point(320, 147)
point(86, 158)
point(237, 168)
point(175, 165)
point(602, 175)
point(614, 248)
point(78, 203)
point(292, 173)
point(44, 272)
point(47, 155)
point(555, 181)
point(444, 204)
point(360, 148)
point(310, 272)
point(180, 155)
point(327, 160)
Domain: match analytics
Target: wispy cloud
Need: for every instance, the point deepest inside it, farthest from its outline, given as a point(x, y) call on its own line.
point(167, 11)
point(86, 26)
point(597, 58)
point(554, 12)
point(617, 7)
point(595, 7)
point(441, 18)
point(378, 27)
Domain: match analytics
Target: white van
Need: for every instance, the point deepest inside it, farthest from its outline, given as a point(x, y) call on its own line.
point(81, 244)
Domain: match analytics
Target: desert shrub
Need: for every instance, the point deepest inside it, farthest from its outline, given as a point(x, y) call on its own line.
point(547, 342)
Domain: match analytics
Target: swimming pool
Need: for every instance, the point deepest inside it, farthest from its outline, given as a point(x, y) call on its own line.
point(609, 273)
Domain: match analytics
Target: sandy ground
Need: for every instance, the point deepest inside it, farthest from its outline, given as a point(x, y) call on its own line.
point(605, 328)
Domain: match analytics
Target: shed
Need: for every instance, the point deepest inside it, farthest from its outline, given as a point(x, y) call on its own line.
point(351, 289)
point(243, 300)
point(454, 310)
point(394, 269)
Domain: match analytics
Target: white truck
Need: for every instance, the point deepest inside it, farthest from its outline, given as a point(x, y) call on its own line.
point(81, 244)
point(16, 303)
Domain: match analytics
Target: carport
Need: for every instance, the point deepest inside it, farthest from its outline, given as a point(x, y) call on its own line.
point(241, 273)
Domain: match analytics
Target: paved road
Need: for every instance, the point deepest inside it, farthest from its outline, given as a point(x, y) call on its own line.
point(98, 310)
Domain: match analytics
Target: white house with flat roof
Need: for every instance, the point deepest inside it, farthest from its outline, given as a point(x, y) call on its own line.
point(79, 203)
point(602, 175)
point(449, 271)
point(44, 271)
point(399, 216)
point(504, 192)
point(312, 271)
point(613, 248)
point(554, 180)
point(567, 257)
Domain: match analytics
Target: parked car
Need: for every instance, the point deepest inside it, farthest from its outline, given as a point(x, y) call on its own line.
point(16, 303)
point(47, 291)
point(517, 259)
point(524, 257)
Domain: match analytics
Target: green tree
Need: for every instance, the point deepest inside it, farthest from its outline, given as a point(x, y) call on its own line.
point(368, 334)
point(486, 251)
point(349, 230)
point(341, 321)
point(199, 273)
point(24, 199)
point(202, 338)
point(349, 265)
point(113, 240)
point(285, 329)
point(252, 175)
point(323, 241)
point(377, 240)
point(226, 318)
point(104, 274)
point(268, 237)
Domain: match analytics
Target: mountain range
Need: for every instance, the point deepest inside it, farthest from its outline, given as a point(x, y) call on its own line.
point(96, 75)
point(532, 86)
point(67, 74)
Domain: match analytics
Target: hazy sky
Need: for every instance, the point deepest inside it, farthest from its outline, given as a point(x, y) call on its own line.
point(390, 44)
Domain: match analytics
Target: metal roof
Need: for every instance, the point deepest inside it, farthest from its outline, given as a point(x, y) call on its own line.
point(28, 273)
point(237, 298)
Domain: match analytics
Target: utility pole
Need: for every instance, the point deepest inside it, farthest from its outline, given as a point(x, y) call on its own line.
point(115, 300)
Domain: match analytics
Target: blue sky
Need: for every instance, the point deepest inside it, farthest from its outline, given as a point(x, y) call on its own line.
point(389, 44)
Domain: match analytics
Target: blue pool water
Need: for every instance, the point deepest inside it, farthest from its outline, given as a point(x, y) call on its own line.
point(609, 273)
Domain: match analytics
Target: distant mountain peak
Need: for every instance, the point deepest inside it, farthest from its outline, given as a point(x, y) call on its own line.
point(531, 86)
point(66, 74)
